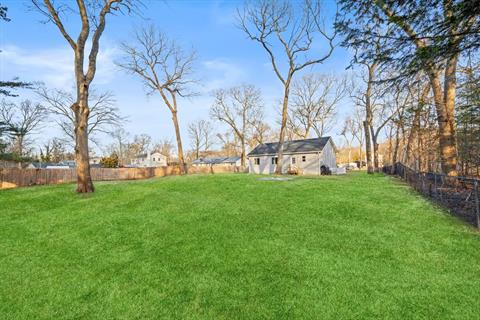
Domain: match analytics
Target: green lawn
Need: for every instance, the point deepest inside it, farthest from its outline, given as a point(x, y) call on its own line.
point(235, 247)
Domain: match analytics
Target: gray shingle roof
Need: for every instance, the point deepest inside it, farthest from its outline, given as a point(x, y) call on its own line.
point(294, 146)
point(217, 160)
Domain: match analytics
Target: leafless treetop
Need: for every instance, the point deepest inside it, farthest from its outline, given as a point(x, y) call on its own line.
point(22, 119)
point(293, 27)
point(104, 115)
point(160, 62)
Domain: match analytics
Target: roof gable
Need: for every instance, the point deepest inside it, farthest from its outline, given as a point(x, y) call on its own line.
point(294, 146)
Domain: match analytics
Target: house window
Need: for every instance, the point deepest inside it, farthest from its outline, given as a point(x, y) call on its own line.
point(304, 158)
point(274, 160)
point(256, 161)
point(294, 160)
point(153, 159)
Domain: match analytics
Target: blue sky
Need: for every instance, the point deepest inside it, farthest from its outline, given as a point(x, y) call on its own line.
point(35, 51)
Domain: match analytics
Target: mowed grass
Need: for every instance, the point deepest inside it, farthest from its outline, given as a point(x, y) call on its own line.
point(235, 247)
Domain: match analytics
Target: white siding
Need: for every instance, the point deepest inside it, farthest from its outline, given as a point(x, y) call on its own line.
point(265, 166)
point(329, 157)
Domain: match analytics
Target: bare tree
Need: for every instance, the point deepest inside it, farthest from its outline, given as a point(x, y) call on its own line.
point(392, 100)
point(141, 143)
point(229, 142)
point(422, 97)
point(238, 107)
point(4, 132)
point(357, 131)
point(261, 133)
point(315, 98)
point(164, 68)
point(120, 146)
point(104, 115)
point(126, 149)
point(53, 151)
point(165, 147)
point(365, 98)
point(278, 25)
point(201, 136)
point(21, 121)
point(347, 132)
point(92, 14)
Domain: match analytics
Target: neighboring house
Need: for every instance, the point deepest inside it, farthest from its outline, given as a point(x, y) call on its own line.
point(307, 156)
point(225, 161)
point(94, 160)
point(155, 159)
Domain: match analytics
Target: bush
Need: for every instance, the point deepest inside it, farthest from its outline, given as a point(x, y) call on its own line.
point(110, 162)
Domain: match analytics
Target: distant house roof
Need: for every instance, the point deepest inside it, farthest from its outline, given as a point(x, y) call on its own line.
point(145, 155)
point(294, 146)
point(216, 160)
point(41, 165)
point(62, 164)
point(68, 163)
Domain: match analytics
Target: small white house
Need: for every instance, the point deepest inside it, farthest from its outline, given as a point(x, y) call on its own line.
point(155, 159)
point(308, 156)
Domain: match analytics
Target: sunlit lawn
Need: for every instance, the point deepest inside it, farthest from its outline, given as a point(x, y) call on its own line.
point(235, 247)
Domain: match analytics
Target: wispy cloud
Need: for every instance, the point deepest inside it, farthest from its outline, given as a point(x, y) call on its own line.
point(223, 13)
point(54, 66)
point(221, 73)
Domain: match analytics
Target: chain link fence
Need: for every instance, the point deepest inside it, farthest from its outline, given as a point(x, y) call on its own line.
point(460, 195)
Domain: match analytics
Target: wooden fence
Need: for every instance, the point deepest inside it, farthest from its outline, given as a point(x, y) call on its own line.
point(15, 177)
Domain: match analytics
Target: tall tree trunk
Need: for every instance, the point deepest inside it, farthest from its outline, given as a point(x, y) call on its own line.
point(369, 117)
point(283, 127)
point(368, 147)
point(390, 144)
point(419, 157)
point(19, 143)
point(375, 151)
point(375, 157)
point(445, 105)
point(243, 155)
point(84, 179)
point(181, 159)
point(360, 155)
point(411, 136)
point(416, 122)
point(395, 150)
